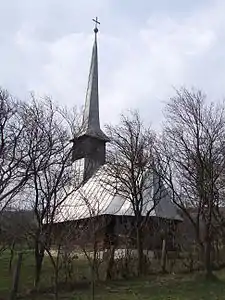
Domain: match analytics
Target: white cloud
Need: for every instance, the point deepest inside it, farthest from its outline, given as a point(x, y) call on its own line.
point(48, 48)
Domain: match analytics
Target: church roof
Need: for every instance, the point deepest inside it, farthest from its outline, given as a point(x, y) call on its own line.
point(91, 123)
point(98, 196)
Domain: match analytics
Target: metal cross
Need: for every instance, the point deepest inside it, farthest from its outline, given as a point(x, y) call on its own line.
point(96, 24)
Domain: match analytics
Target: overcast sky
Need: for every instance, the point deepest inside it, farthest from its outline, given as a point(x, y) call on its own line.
point(145, 48)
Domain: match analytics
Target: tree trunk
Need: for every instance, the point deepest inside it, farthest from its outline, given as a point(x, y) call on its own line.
point(140, 251)
point(39, 256)
point(56, 282)
point(163, 256)
point(16, 277)
point(208, 243)
point(94, 269)
point(57, 268)
point(110, 262)
point(11, 256)
point(217, 252)
point(208, 263)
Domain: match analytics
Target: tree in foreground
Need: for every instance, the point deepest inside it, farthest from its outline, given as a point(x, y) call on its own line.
point(53, 178)
point(14, 170)
point(130, 160)
point(191, 159)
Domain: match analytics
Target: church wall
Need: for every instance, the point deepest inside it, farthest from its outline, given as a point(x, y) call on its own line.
point(108, 230)
point(153, 232)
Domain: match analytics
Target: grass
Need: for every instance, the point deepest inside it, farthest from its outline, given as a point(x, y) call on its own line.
point(173, 287)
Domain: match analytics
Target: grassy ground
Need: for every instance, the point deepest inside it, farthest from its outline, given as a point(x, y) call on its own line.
point(173, 287)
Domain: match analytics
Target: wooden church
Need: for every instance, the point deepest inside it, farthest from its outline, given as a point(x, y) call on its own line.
point(99, 213)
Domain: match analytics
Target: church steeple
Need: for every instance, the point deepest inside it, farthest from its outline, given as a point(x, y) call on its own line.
point(91, 123)
point(90, 144)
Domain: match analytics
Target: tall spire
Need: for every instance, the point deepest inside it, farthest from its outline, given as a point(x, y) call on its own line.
point(91, 123)
point(90, 145)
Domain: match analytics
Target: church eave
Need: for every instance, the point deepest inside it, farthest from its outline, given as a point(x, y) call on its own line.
point(100, 135)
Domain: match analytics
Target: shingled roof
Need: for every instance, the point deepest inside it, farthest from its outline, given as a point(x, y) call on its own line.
point(99, 196)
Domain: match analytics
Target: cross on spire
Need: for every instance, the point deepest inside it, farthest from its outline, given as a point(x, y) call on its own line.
point(96, 24)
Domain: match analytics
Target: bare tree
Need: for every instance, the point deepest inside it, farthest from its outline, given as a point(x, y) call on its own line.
point(92, 249)
point(81, 231)
point(130, 165)
point(53, 177)
point(14, 170)
point(191, 161)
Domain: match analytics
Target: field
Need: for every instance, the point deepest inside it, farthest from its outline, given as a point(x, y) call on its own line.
point(173, 287)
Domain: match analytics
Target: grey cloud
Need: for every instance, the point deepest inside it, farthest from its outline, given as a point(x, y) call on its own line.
point(143, 51)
